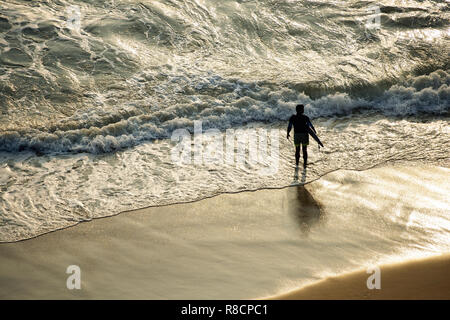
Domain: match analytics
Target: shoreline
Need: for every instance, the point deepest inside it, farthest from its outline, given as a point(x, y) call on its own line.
point(235, 246)
point(159, 252)
point(387, 163)
point(417, 279)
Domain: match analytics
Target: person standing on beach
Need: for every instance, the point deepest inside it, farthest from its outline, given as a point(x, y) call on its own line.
point(301, 124)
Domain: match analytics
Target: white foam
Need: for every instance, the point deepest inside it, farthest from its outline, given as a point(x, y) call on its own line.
point(103, 132)
point(63, 189)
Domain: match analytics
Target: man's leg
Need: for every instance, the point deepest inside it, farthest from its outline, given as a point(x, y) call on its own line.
point(297, 154)
point(305, 155)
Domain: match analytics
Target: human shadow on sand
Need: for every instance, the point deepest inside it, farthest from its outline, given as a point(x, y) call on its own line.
point(302, 207)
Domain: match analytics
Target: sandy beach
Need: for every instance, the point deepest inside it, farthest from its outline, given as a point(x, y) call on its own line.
point(252, 244)
point(412, 280)
point(195, 250)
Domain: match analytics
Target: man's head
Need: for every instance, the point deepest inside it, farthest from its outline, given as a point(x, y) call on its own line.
point(300, 108)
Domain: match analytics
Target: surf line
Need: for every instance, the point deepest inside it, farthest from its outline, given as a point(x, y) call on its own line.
point(193, 310)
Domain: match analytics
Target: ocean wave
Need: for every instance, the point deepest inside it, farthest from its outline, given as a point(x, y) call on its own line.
point(52, 191)
point(49, 70)
point(135, 71)
point(239, 103)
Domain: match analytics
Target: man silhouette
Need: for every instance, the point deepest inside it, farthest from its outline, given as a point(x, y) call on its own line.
point(301, 136)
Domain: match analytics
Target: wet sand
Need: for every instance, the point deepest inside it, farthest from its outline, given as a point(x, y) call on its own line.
point(199, 250)
point(250, 244)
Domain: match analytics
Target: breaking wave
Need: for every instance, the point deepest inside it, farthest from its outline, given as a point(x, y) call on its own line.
point(95, 132)
point(98, 76)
